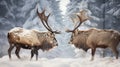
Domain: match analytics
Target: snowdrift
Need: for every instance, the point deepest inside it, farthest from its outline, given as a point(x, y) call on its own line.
point(58, 62)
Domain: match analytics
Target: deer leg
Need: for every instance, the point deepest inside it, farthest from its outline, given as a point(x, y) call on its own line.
point(93, 53)
point(115, 51)
point(17, 51)
point(36, 52)
point(103, 53)
point(9, 50)
point(32, 53)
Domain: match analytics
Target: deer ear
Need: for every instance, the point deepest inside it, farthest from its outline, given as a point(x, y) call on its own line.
point(76, 31)
point(49, 33)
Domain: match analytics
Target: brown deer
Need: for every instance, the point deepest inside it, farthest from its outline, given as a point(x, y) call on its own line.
point(32, 39)
point(94, 38)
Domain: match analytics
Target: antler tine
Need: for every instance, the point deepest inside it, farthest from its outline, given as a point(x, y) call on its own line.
point(74, 21)
point(57, 32)
point(79, 23)
point(42, 17)
point(75, 25)
point(46, 21)
point(82, 17)
point(37, 12)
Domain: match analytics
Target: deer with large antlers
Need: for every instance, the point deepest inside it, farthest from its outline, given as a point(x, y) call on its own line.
point(94, 38)
point(32, 39)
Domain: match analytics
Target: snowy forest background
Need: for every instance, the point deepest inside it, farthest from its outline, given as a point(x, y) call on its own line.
point(13, 13)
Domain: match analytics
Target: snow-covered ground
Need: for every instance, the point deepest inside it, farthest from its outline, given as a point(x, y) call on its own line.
point(58, 62)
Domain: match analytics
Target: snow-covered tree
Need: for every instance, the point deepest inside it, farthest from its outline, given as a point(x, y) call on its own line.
point(97, 9)
point(55, 10)
point(105, 13)
point(75, 6)
point(112, 14)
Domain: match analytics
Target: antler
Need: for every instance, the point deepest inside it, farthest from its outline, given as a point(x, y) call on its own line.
point(78, 24)
point(74, 20)
point(42, 16)
point(45, 18)
point(82, 17)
